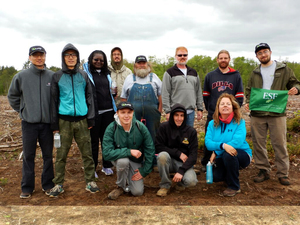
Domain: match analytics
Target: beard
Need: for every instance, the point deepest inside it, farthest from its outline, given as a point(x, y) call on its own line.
point(265, 60)
point(223, 65)
point(183, 63)
point(142, 72)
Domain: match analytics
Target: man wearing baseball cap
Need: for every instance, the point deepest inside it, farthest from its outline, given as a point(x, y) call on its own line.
point(128, 145)
point(29, 94)
point(270, 75)
point(143, 90)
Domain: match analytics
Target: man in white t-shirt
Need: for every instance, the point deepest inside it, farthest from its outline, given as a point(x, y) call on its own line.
point(143, 90)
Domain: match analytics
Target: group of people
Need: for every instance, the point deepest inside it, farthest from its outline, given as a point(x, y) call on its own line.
point(82, 104)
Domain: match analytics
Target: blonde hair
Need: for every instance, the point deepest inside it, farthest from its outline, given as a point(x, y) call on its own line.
point(223, 51)
point(180, 48)
point(235, 108)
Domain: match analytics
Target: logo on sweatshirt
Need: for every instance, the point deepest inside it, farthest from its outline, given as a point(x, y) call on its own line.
point(185, 141)
point(222, 85)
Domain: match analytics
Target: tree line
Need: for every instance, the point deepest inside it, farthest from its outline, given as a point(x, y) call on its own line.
point(201, 63)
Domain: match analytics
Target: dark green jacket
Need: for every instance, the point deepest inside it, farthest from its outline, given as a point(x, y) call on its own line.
point(117, 144)
point(284, 79)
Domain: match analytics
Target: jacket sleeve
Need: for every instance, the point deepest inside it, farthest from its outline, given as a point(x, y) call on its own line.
point(206, 92)
point(199, 95)
point(14, 93)
point(166, 92)
point(293, 81)
point(192, 157)
point(248, 88)
point(210, 144)
point(89, 101)
point(148, 151)
point(239, 94)
point(161, 143)
point(54, 101)
point(111, 152)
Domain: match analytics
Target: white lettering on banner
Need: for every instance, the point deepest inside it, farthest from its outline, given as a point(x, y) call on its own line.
point(269, 95)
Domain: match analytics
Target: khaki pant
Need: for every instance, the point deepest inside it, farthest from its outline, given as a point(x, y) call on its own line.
point(277, 130)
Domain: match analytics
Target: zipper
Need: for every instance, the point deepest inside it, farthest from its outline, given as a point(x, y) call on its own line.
point(73, 95)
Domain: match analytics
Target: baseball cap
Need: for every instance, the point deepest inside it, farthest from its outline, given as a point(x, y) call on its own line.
point(140, 58)
point(125, 105)
point(35, 49)
point(261, 46)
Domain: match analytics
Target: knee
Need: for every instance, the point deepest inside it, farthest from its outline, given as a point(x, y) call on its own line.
point(190, 181)
point(122, 164)
point(137, 192)
point(162, 158)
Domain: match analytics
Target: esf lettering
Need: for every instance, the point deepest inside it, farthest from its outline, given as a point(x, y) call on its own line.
point(270, 95)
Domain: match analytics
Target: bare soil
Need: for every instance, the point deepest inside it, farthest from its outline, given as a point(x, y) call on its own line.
point(203, 203)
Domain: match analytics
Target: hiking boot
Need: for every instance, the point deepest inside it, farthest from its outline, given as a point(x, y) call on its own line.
point(179, 187)
point(25, 195)
point(284, 180)
point(92, 187)
point(162, 192)
point(261, 176)
point(107, 171)
point(56, 190)
point(230, 192)
point(115, 193)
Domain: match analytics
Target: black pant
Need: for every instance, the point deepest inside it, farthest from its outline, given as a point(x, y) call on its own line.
point(102, 121)
point(33, 132)
point(207, 153)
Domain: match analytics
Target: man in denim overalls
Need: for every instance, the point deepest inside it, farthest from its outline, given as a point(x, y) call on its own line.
point(143, 90)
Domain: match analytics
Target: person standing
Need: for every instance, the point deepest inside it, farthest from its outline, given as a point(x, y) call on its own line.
point(176, 144)
point(224, 79)
point(72, 115)
point(271, 75)
point(181, 84)
point(118, 71)
point(143, 90)
point(29, 95)
point(98, 73)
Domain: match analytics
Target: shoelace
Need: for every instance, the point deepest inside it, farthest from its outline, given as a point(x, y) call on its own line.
point(93, 184)
point(56, 188)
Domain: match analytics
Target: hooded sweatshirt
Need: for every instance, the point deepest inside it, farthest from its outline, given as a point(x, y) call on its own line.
point(176, 140)
point(72, 94)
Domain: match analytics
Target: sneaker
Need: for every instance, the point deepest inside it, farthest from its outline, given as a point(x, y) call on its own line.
point(47, 192)
point(56, 190)
point(115, 193)
point(179, 187)
point(230, 192)
point(261, 176)
point(107, 171)
point(96, 175)
point(284, 180)
point(163, 192)
point(92, 187)
point(25, 195)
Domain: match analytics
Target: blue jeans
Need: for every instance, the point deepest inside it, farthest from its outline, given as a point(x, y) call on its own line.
point(33, 132)
point(227, 168)
point(190, 119)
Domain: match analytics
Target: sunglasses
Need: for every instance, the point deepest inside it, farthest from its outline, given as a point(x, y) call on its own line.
point(98, 60)
point(184, 55)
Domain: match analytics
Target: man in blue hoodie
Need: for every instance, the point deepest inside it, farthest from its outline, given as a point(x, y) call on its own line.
point(72, 114)
point(29, 94)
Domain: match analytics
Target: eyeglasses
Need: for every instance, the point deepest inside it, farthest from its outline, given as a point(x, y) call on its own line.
point(182, 55)
point(70, 55)
point(263, 52)
point(101, 60)
point(116, 54)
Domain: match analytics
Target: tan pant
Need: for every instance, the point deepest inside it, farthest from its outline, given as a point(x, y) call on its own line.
point(277, 130)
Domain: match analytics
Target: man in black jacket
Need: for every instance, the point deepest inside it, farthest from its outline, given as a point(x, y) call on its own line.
point(177, 145)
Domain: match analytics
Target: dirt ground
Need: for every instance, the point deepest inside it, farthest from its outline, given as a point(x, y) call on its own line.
point(264, 203)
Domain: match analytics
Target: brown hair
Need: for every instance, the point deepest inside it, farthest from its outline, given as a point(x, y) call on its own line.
point(236, 109)
point(223, 51)
point(180, 48)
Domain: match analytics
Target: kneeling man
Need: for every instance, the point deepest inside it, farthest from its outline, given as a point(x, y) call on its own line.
point(177, 145)
point(127, 143)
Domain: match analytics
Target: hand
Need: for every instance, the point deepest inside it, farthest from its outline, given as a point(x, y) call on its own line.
point(293, 91)
point(230, 150)
point(137, 175)
point(212, 157)
point(135, 153)
point(90, 128)
point(246, 106)
point(199, 115)
point(183, 157)
point(177, 177)
point(167, 116)
point(56, 131)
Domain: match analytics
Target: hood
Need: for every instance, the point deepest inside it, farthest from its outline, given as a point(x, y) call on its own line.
point(177, 107)
point(119, 123)
point(114, 65)
point(65, 69)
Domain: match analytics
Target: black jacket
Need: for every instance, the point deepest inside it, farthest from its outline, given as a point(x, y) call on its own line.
point(176, 140)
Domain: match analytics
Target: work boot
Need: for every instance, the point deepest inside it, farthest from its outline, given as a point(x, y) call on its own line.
point(163, 192)
point(230, 192)
point(261, 176)
point(284, 180)
point(115, 193)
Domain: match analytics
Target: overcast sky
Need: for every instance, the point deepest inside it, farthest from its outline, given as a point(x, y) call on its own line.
point(151, 28)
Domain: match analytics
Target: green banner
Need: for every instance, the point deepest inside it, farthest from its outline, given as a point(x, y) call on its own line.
point(268, 100)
